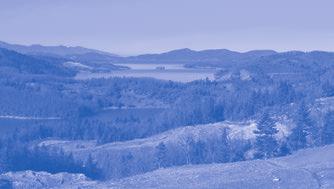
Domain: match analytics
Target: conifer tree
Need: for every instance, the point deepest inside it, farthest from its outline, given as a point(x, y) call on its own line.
point(90, 168)
point(327, 134)
point(160, 154)
point(266, 145)
point(305, 133)
point(224, 150)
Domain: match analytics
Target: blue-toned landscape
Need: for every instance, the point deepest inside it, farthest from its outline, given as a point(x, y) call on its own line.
point(147, 113)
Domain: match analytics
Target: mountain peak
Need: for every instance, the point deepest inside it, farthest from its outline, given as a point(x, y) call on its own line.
point(183, 50)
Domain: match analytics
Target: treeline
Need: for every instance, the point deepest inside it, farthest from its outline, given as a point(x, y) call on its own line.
point(40, 159)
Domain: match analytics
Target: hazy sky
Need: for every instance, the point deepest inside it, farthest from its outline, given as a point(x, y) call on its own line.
point(140, 26)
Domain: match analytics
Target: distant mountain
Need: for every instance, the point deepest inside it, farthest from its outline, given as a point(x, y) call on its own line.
point(75, 54)
point(13, 62)
point(94, 59)
point(257, 61)
point(187, 56)
point(62, 51)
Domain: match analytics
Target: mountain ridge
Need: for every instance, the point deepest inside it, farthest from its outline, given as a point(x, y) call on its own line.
point(59, 50)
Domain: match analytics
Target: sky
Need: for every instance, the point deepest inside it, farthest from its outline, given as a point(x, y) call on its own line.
point(129, 27)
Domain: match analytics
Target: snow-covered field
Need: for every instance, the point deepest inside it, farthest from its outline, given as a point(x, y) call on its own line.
point(312, 168)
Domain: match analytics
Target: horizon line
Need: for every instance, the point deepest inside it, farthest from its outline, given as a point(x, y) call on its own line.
point(167, 50)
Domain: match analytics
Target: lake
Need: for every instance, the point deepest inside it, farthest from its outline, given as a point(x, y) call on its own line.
point(173, 72)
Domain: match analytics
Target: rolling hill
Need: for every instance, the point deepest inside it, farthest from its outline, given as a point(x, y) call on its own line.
point(109, 157)
point(20, 63)
point(305, 169)
point(75, 54)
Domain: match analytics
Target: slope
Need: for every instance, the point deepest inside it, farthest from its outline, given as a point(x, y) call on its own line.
point(306, 169)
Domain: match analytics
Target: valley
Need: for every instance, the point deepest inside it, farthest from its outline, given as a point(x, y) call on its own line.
point(72, 117)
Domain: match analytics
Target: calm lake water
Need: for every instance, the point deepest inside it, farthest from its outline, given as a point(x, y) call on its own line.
point(173, 72)
point(153, 66)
